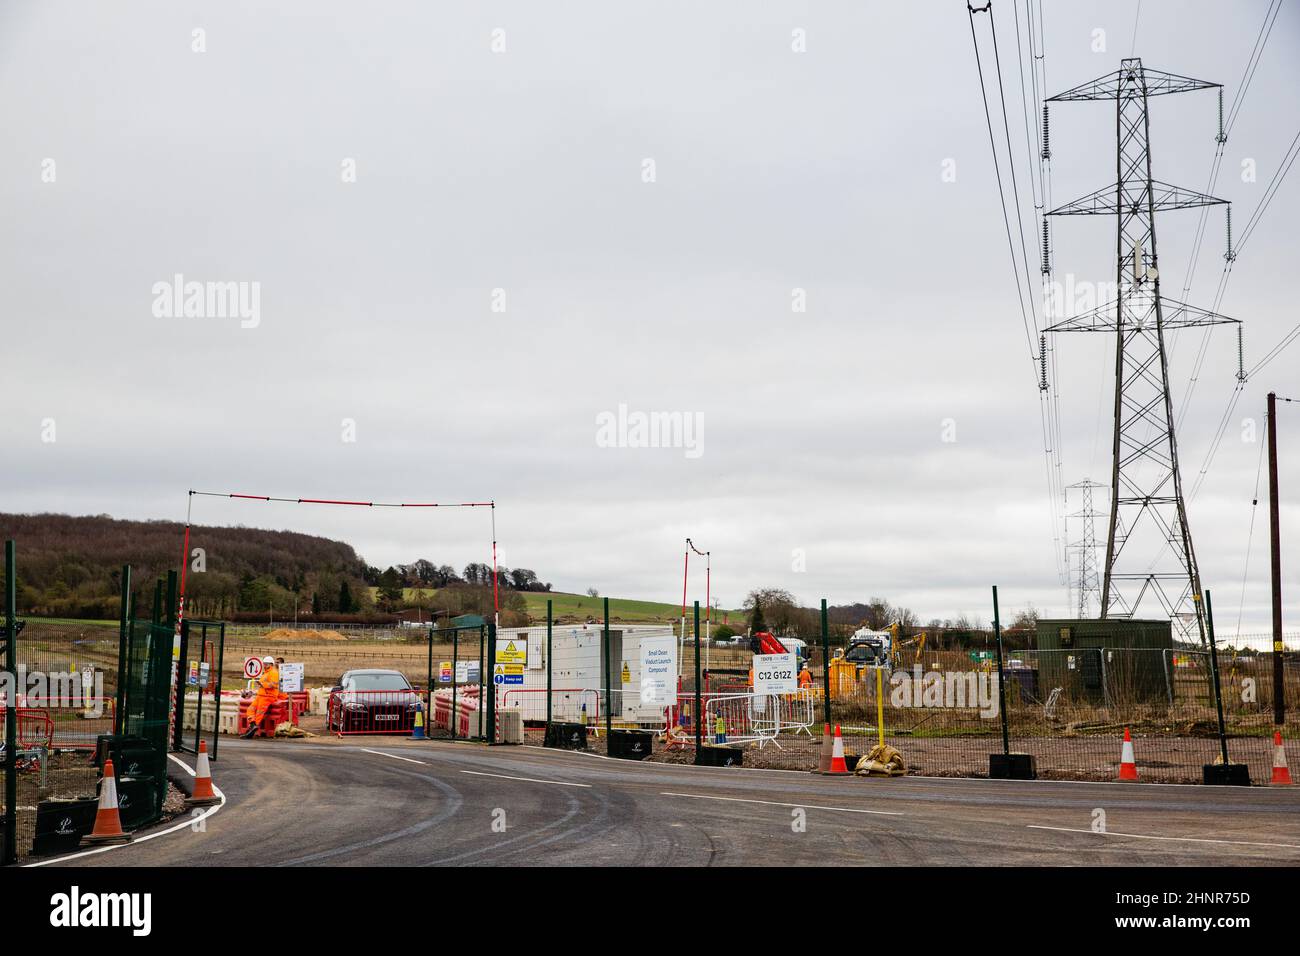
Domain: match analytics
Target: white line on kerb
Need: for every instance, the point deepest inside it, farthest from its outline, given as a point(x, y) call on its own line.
point(773, 803)
point(149, 836)
point(1147, 836)
point(380, 753)
point(505, 776)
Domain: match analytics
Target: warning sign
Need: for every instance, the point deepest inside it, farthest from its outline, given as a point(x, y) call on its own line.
point(508, 674)
point(512, 651)
point(252, 667)
point(627, 673)
point(444, 672)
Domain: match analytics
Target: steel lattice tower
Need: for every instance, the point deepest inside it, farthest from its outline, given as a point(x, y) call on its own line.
point(1149, 553)
point(1088, 583)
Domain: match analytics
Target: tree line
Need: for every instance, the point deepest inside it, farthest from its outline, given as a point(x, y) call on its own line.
point(70, 566)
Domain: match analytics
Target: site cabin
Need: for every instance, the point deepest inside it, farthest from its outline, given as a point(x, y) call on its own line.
point(1083, 657)
point(578, 674)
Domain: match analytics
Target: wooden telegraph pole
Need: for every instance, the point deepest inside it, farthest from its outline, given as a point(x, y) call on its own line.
point(1275, 547)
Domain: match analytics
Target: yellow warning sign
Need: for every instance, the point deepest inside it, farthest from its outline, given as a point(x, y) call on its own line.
point(512, 652)
point(627, 674)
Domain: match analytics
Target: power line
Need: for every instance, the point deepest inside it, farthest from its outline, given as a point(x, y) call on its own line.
point(1028, 316)
point(1254, 506)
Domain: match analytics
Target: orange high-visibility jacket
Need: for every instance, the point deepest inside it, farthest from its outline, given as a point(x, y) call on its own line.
point(269, 683)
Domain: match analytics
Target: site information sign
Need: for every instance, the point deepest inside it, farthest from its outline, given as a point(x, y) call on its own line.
point(467, 672)
point(775, 674)
point(659, 670)
point(291, 677)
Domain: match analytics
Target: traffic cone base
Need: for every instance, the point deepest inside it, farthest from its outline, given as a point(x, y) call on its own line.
point(824, 760)
point(1281, 773)
point(108, 821)
point(417, 733)
point(1127, 764)
point(203, 792)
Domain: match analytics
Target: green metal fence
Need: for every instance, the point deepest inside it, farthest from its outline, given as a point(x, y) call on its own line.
point(198, 687)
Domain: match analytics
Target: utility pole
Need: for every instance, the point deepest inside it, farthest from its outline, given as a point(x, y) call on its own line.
point(1149, 553)
point(1275, 548)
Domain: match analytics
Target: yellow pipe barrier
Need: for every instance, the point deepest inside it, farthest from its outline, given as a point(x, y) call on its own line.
point(880, 707)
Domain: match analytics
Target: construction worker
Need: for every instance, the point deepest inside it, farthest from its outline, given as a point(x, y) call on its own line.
point(805, 676)
point(268, 692)
point(719, 730)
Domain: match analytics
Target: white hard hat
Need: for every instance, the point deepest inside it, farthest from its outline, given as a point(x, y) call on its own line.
point(268, 659)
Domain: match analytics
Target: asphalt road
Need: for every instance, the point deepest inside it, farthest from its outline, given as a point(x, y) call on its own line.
point(399, 802)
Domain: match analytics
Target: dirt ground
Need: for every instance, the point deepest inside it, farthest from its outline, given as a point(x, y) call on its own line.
point(1159, 759)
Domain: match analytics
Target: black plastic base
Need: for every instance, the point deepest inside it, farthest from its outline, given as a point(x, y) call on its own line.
point(630, 744)
point(60, 825)
point(1226, 774)
point(566, 736)
point(708, 756)
point(1012, 767)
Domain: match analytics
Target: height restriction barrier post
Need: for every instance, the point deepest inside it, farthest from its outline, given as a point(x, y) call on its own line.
point(699, 711)
point(491, 729)
point(548, 663)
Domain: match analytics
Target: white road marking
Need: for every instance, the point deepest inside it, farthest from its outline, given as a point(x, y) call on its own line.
point(1147, 836)
point(505, 776)
point(773, 803)
point(209, 811)
point(380, 753)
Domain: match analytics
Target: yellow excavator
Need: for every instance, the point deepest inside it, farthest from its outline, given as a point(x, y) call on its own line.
point(896, 646)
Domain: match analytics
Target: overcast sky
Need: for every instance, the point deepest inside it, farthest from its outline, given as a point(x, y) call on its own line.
point(393, 175)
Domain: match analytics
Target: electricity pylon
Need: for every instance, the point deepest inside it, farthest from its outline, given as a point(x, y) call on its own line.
point(1087, 586)
point(1149, 553)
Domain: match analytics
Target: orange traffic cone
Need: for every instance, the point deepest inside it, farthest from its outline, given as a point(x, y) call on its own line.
point(108, 822)
point(838, 766)
point(1128, 768)
point(1281, 775)
point(203, 792)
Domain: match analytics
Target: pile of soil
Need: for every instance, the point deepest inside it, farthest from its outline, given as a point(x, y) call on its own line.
point(294, 634)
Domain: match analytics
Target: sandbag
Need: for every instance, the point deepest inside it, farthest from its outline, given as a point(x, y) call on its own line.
point(881, 760)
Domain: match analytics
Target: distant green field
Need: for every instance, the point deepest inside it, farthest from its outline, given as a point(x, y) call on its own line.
point(581, 606)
